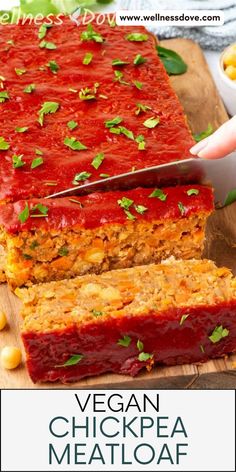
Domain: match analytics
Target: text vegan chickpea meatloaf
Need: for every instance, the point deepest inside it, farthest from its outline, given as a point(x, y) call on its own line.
point(62, 238)
point(121, 321)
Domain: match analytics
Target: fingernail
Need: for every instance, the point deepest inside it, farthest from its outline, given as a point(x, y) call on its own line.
point(199, 147)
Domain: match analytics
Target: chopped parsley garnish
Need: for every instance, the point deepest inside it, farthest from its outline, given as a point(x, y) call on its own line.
point(43, 30)
point(125, 341)
point(119, 77)
point(38, 161)
point(158, 193)
point(42, 209)
point(140, 209)
point(20, 71)
point(129, 215)
point(119, 62)
point(91, 34)
point(111, 22)
point(138, 85)
point(4, 96)
point(136, 37)
point(204, 134)
point(114, 130)
point(104, 176)
point(30, 88)
point(4, 146)
point(88, 94)
point(87, 58)
point(24, 215)
point(183, 318)
point(129, 134)
point(73, 144)
point(18, 129)
point(139, 59)
point(47, 45)
point(81, 177)
point(53, 66)
point(115, 121)
point(141, 142)
point(141, 108)
point(192, 191)
point(75, 359)
point(33, 245)
point(38, 152)
point(98, 159)
point(17, 161)
point(125, 203)
point(47, 107)
point(218, 334)
point(139, 345)
point(63, 251)
point(182, 208)
point(144, 356)
point(72, 124)
point(152, 122)
point(97, 313)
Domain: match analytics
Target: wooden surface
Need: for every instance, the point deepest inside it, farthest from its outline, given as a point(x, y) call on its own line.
point(202, 105)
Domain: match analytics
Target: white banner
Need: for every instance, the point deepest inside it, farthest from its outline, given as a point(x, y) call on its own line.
point(170, 18)
point(84, 430)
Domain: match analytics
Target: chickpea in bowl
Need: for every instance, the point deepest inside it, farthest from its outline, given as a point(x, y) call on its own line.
point(227, 78)
point(229, 62)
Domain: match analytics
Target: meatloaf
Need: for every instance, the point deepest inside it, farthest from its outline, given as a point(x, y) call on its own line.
point(79, 103)
point(63, 238)
point(122, 321)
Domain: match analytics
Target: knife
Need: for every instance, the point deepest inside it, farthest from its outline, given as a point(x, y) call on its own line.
point(219, 173)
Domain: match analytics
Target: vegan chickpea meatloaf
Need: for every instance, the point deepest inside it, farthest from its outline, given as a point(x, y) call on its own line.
point(62, 238)
point(79, 103)
point(121, 321)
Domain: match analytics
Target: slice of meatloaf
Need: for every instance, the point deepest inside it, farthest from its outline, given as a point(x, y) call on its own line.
point(121, 321)
point(63, 238)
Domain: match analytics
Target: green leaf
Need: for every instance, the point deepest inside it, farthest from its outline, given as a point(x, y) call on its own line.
point(231, 197)
point(63, 251)
point(141, 142)
point(75, 359)
point(204, 134)
point(144, 356)
point(158, 193)
point(17, 161)
point(42, 209)
point(20, 71)
point(125, 203)
point(72, 124)
point(115, 121)
point(87, 58)
point(4, 146)
point(97, 313)
point(43, 30)
point(81, 177)
point(91, 34)
point(104, 176)
point(119, 62)
point(192, 191)
point(136, 37)
point(30, 88)
point(75, 145)
point(18, 129)
point(138, 85)
point(218, 333)
point(87, 94)
point(125, 341)
point(141, 108)
point(183, 318)
point(53, 66)
point(38, 161)
point(129, 215)
point(24, 215)
point(98, 159)
point(182, 208)
point(139, 59)
point(38, 152)
point(140, 209)
point(47, 107)
point(47, 45)
point(4, 96)
point(27, 257)
point(129, 134)
point(139, 345)
point(152, 122)
point(119, 77)
point(172, 61)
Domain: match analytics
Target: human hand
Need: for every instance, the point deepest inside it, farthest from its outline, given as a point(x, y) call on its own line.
point(219, 144)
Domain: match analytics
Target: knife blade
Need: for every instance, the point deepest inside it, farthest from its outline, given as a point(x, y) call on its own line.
point(220, 174)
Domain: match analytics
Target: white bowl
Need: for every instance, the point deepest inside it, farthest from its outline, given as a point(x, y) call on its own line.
point(227, 87)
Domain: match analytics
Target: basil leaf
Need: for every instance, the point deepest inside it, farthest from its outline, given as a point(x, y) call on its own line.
point(119, 62)
point(75, 359)
point(125, 341)
point(29, 88)
point(75, 145)
point(138, 85)
point(4, 96)
point(17, 161)
point(172, 61)
point(38, 161)
point(115, 121)
point(182, 209)
point(21, 130)
point(20, 71)
point(218, 333)
point(152, 122)
point(53, 66)
point(91, 34)
point(140, 209)
point(125, 203)
point(98, 159)
point(192, 191)
point(158, 193)
point(24, 215)
point(82, 176)
point(47, 45)
point(231, 197)
point(87, 58)
point(204, 134)
point(72, 124)
point(47, 107)
point(136, 37)
point(139, 345)
point(4, 146)
point(144, 356)
point(139, 59)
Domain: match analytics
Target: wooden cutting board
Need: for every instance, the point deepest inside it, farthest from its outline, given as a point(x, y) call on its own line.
point(202, 105)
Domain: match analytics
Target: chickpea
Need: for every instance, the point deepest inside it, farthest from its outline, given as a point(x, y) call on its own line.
point(3, 320)
point(231, 72)
point(230, 57)
point(10, 357)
